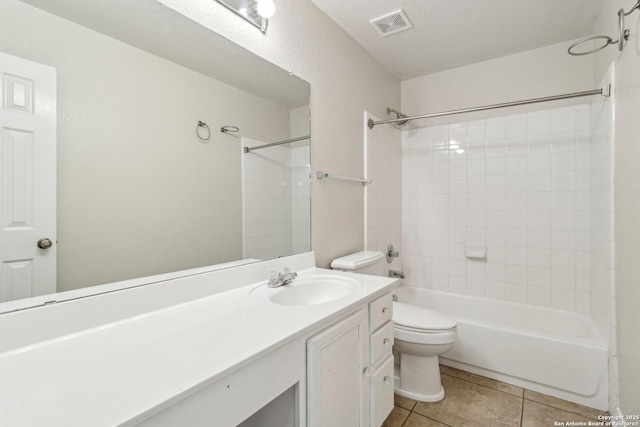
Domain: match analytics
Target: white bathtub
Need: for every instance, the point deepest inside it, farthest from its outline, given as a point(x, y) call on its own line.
point(555, 352)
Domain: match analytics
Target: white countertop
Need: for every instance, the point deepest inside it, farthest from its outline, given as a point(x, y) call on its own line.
point(108, 375)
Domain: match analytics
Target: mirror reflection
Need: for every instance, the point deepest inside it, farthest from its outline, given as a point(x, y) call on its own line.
point(109, 109)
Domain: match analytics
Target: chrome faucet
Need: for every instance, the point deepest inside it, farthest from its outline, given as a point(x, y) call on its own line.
point(280, 279)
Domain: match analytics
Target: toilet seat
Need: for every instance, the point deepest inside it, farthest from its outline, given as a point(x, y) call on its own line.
point(419, 318)
point(425, 337)
point(423, 330)
point(422, 326)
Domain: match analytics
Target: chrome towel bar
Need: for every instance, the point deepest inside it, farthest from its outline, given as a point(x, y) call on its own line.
point(321, 175)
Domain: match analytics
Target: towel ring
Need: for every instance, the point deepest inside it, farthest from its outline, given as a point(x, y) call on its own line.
point(607, 42)
point(225, 129)
point(623, 36)
point(203, 125)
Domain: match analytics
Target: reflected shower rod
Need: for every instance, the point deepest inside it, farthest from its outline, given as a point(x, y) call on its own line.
point(604, 92)
point(287, 141)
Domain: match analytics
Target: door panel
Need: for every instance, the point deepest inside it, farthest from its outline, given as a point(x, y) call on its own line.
point(27, 178)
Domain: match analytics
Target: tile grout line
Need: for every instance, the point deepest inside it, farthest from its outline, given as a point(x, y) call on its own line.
point(523, 400)
point(411, 411)
point(561, 409)
point(486, 386)
point(523, 396)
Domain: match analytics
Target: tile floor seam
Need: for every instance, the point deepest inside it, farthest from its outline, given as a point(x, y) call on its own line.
point(405, 420)
point(542, 413)
point(485, 386)
point(560, 409)
point(429, 418)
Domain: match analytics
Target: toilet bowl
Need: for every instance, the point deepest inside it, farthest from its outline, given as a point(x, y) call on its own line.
point(420, 336)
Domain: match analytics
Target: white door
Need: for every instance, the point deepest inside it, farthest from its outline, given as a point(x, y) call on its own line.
point(27, 178)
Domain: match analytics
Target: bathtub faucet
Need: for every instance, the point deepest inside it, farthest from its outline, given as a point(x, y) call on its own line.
point(280, 279)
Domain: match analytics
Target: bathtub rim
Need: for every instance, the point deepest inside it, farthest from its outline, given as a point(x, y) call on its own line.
point(595, 340)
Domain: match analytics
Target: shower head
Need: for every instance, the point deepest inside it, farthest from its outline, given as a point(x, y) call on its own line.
point(399, 115)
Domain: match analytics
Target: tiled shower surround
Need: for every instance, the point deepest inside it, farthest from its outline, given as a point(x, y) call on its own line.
point(519, 184)
point(275, 199)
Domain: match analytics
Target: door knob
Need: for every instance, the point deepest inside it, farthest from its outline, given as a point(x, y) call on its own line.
point(45, 243)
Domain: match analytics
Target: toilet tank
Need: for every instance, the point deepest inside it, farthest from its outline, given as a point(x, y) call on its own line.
point(366, 262)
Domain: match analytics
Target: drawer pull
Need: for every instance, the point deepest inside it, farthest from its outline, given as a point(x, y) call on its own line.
point(387, 379)
point(386, 310)
point(386, 341)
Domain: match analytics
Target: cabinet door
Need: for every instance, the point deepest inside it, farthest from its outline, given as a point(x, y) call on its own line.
point(382, 392)
point(337, 387)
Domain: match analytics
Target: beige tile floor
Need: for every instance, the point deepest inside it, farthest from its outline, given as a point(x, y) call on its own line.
point(475, 401)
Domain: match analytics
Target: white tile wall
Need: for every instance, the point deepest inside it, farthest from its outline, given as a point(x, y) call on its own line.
point(276, 189)
point(301, 198)
point(519, 184)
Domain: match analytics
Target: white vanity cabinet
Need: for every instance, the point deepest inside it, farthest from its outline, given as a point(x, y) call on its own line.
point(381, 359)
point(204, 349)
point(350, 369)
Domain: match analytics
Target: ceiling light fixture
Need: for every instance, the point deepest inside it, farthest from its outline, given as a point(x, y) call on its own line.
point(256, 12)
point(266, 8)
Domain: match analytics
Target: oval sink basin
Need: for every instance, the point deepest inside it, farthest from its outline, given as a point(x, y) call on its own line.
point(311, 290)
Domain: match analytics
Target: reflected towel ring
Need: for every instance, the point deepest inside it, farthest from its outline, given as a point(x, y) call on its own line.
point(225, 129)
point(203, 125)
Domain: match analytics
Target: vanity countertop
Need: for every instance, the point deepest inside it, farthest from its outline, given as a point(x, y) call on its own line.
point(110, 374)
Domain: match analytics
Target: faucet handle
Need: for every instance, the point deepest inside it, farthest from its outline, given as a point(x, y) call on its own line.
point(273, 276)
point(286, 270)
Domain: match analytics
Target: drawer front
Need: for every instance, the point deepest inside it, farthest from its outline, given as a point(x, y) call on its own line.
point(381, 343)
point(381, 402)
point(380, 311)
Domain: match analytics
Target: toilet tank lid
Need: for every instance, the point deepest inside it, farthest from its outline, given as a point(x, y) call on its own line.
point(358, 260)
point(413, 316)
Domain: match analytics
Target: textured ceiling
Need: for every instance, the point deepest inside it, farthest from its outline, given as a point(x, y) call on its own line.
point(453, 33)
point(157, 29)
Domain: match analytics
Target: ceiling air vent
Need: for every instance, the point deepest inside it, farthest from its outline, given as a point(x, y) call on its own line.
point(391, 23)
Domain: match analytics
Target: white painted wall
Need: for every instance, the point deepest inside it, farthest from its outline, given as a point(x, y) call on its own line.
point(129, 163)
point(345, 81)
point(532, 74)
point(627, 202)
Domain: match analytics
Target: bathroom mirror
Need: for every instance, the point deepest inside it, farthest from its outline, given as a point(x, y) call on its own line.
point(142, 189)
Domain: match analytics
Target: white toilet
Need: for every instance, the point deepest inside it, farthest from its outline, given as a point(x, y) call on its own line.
point(420, 336)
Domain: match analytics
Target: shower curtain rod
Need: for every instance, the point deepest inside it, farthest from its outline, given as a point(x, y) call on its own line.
point(250, 149)
point(604, 92)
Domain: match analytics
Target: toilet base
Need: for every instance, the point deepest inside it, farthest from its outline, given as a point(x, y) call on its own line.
point(429, 398)
point(418, 378)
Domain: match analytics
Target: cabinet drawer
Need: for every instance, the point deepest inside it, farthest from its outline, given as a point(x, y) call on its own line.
point(380, 311)
point(381, 343)
point(381, 402)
